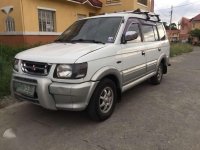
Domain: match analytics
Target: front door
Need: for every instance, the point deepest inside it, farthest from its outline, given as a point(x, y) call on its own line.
point(133, 55)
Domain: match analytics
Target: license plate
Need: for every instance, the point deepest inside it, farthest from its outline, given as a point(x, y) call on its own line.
point(24, 89)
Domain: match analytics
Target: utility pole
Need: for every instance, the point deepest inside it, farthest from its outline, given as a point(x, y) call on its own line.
point(171, 16)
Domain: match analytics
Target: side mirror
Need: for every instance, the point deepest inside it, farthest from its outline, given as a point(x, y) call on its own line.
point(131, 35)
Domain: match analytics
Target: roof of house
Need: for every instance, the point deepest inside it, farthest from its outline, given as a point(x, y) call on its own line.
point(184, 20)
point(94, 3)
point(196, 18)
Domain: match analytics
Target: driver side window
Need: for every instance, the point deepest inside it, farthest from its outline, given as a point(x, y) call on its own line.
point(135, 27)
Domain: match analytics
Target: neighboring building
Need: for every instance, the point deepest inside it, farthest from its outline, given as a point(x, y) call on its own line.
point(34, 21)
point(195, 25)
point(185, 28)
point(195, 22)
point(173, 35)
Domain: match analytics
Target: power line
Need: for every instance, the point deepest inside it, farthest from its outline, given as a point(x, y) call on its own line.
point(163, 13)
point(179, 6)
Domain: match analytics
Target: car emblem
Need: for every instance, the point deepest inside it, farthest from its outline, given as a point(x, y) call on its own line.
point(33, 67)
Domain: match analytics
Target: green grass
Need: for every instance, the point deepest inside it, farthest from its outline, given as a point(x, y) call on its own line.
point(180, 48)
point(7, 55)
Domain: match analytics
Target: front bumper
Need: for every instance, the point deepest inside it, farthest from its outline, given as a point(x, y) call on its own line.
point(54, 95)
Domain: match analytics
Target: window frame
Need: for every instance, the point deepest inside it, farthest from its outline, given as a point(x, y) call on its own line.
point(139, 34)
point(155, 29)
point(143, 3)
point(151, 25)
point(165, 34)
point(52, 19)
point(130, 21)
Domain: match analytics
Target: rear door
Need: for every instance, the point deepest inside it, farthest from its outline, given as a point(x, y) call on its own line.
point(164, 43)
point(152, 45)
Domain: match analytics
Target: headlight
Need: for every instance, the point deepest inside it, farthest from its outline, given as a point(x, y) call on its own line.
point(16, 65)
point(73, 71)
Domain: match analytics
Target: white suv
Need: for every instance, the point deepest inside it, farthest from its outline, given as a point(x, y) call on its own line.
point(93, 62)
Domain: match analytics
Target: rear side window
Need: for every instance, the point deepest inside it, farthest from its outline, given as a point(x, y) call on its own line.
point(161, 32)
point(135, 27)
point(155, 33)
point(148, 33)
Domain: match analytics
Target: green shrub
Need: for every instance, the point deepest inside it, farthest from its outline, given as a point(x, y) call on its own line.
point(7, 54)
point(180, 48)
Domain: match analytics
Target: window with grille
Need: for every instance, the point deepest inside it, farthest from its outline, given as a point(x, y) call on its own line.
point(10, 24)
point(46, 20)
point(113, 1)
point(144, 2)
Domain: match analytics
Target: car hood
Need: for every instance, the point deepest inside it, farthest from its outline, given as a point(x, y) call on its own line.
point(59, 52)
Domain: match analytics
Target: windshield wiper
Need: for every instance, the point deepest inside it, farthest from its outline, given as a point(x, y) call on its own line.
point(87, 40)
point(59, 40)
point(62, 41)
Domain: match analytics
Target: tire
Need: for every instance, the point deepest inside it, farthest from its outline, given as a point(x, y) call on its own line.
point(103, 100)
point(155, 80)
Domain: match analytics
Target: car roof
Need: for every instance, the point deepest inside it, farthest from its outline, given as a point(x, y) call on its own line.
point(129, 14)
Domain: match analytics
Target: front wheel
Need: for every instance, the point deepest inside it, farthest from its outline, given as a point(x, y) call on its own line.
point(158, 77)
point(103, 100)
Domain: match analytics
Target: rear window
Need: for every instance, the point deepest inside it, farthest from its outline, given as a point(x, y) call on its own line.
point(161, 32)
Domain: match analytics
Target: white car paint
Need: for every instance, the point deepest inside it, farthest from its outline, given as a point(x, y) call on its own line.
point(126, 61)
point(59, 53)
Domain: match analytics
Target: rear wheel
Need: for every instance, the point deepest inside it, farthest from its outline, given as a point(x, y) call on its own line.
point(159, 75)
point(103, 100)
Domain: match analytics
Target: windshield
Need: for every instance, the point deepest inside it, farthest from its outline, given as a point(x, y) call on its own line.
point(97, 30)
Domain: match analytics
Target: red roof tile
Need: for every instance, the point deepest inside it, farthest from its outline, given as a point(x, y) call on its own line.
point(196, 18)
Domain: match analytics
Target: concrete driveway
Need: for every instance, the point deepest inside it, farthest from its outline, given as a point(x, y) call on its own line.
point(164, 117)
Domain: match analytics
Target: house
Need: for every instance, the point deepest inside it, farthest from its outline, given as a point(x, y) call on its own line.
point(41, 21)
point(195, 22)
point(185, 28)
point(173, 35)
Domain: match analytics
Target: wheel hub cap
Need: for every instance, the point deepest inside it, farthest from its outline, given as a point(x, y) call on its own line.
point(106, 99)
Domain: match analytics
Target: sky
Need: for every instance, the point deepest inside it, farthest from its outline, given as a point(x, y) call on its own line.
point(182, 8)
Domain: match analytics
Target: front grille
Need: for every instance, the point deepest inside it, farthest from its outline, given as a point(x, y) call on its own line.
point(36, 68)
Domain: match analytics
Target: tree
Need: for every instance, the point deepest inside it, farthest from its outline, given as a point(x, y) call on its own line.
point(195, 33)
point(165, 25)
point(173, 26)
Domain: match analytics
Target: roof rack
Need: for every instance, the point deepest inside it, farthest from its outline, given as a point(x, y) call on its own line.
point(148, 15)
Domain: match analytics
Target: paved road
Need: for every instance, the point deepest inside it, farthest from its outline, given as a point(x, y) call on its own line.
point(164, 117)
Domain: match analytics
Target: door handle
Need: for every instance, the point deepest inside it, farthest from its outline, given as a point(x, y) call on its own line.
point(143, 53)
point(119, 62)
point(159, 49)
